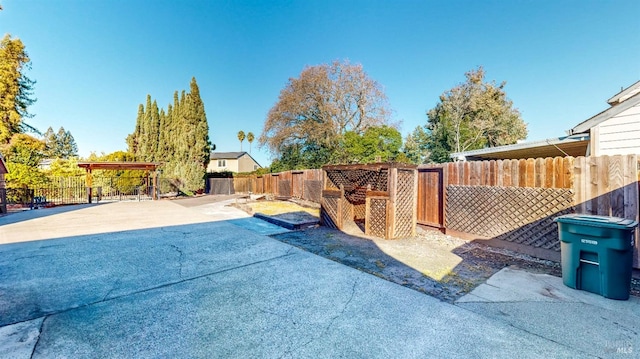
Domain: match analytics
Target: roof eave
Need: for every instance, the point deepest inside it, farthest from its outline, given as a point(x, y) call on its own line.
point(585, 126)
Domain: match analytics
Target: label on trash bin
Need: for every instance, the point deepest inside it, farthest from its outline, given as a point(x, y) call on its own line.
point(589, 241)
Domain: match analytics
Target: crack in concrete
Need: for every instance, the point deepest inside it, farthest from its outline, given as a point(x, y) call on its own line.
point(115, 286)
point(33, 352)
point(180, 258)
point(329, 325)
point(29, 257)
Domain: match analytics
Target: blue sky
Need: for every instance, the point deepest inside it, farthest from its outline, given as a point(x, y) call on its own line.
point(95, 61)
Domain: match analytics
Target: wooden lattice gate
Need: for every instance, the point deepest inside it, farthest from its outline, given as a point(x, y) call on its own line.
point(377, 197)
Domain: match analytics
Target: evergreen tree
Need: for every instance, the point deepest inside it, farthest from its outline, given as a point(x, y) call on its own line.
point(15, 89)
point(178, 137)
point(51, 143)
point(60, 144)
point(133, 140)
point(67, 147)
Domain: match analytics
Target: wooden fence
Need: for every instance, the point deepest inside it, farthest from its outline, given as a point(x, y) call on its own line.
point(303, 184)
point(516, 200)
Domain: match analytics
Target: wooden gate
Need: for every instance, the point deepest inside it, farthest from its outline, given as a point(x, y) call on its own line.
point(297, 184)
point(431, 197)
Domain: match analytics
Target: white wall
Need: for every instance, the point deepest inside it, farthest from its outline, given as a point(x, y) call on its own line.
point(620, 135)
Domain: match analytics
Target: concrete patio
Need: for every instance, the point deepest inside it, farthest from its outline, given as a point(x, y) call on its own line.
point(161, 279)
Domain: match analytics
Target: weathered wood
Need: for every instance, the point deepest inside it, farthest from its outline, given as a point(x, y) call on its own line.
point(548, 173)
point(493, 179)
point(506, 173)
point(539, 173)
point(530, 179)
point(617, 178)
point(466, 179)
point(604, 195)
point(558, 173)
point(630, 187)
point(522, 173)
point(567, 170)
point(579, 184)
point(499, 174)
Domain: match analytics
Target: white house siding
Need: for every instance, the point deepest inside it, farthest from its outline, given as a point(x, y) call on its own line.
point(619, 135)
point(230, 165)
point(245, 164)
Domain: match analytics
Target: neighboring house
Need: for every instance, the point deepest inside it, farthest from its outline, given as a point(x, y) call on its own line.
point(614, 131)
point(232, 162)
point(45, 164)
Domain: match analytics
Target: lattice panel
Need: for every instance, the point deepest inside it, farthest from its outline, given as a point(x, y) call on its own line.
point(405, 202)
point(347, 210)
point(359, 211)
point(377, 218)
point(356, 196)
point(359, 178)
point(519, 215)
point(330, 211)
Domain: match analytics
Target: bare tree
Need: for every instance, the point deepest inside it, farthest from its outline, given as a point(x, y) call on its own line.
point(315, 110)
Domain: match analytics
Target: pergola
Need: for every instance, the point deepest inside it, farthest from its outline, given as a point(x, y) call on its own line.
point(151, 167)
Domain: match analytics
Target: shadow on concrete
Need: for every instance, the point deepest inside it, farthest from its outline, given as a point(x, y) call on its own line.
point(25, 215)
point(431, 264)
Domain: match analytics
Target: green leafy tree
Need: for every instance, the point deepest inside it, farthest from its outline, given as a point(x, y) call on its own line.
point(376, 144)
point(415, 147)
point(23, 155)
point(16, 89)
point(315, 111)
point(472, 115)
point(241, 137)
point(61, 167)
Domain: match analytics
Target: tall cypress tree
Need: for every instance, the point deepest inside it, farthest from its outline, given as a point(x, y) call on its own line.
point(179, 138)
point(133, 140)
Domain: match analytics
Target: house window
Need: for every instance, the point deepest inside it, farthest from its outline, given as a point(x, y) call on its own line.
point(222, 163)
point(255, 167)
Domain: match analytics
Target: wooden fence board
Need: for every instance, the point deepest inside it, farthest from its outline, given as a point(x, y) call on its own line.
point(549, 173)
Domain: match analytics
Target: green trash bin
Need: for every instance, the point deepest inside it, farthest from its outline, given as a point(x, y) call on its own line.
point(597, 253)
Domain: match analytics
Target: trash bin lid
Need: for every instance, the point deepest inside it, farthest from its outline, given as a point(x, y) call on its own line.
point(597, 221)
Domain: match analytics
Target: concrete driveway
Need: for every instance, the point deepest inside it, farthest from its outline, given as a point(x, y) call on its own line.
point(164, 280)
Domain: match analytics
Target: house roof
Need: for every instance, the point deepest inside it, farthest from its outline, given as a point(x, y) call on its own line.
point(624, 94)
point(226, 155)
point(230, 156)
point(618, 107)
point(561, 146)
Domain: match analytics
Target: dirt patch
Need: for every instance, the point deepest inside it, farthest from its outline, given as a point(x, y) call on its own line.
point(442, 266)
point(433, 263)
